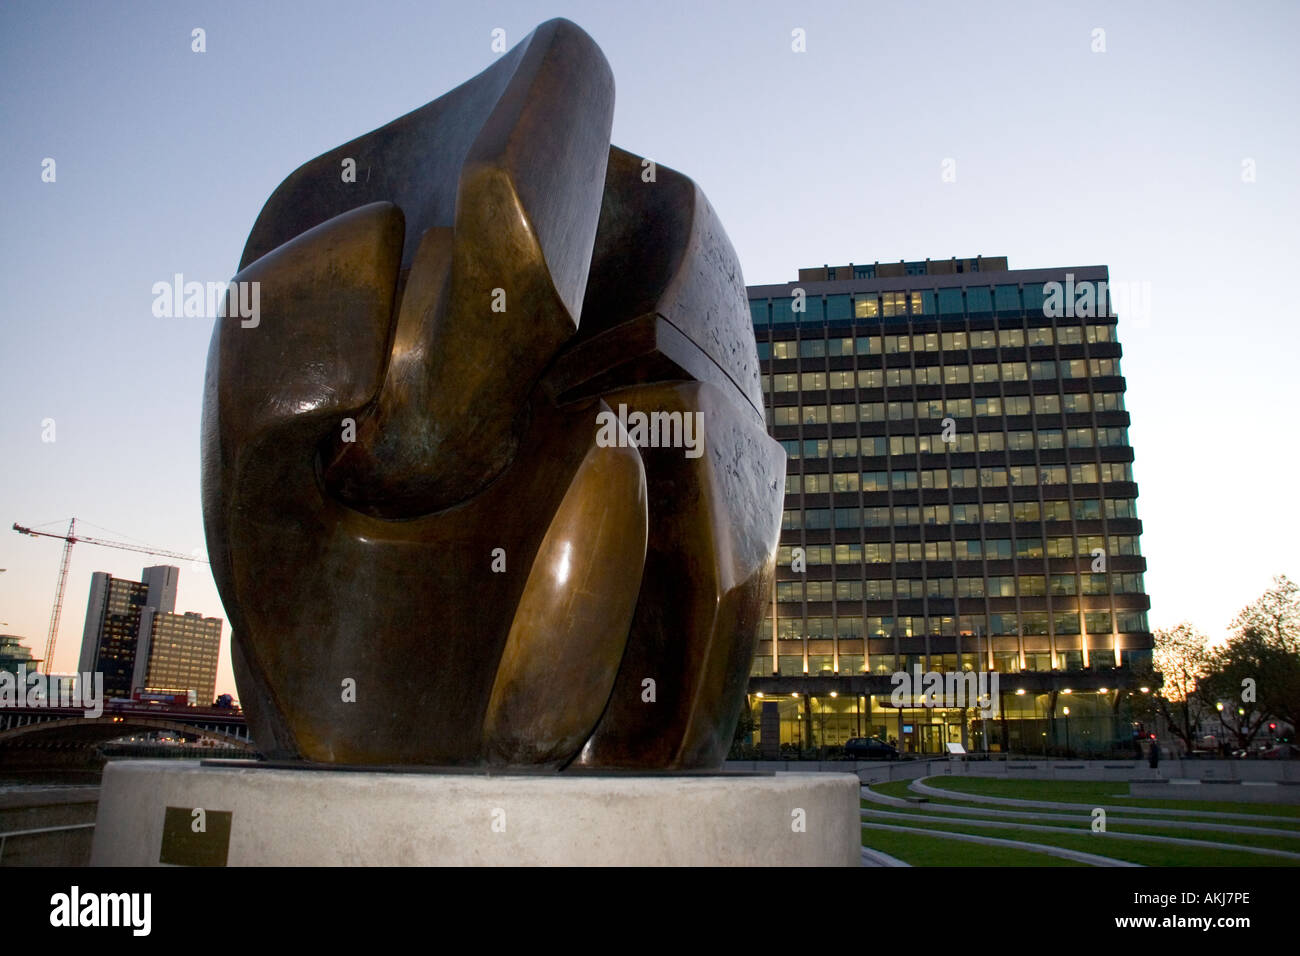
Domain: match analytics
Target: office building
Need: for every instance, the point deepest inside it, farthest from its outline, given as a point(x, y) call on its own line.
point(14, 655)
point(177, 654)
point(134, 637)
point(959, 497)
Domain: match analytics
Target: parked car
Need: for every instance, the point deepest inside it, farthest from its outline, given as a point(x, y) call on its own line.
point(870, 748)
point(1280, 752)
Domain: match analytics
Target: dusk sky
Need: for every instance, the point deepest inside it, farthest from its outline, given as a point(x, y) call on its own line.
point(1170, 155)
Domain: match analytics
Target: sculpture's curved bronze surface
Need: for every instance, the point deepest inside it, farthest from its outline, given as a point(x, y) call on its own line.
point(443, 532)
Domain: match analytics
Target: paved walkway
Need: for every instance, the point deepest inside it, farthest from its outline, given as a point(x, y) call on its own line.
point(1112, 816)
point(1006, 813)
point(1091, 859)
point(1104, 835)
point(921, 787)
point(872, 857)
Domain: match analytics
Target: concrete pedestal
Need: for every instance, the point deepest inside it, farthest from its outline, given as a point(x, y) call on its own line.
point(165, 811)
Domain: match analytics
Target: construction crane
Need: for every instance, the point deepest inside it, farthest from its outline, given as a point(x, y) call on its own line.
point(69, 540)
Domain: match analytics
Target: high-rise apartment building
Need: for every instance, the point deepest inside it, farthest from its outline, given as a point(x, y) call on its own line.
point(959, 497)
point(135, 638)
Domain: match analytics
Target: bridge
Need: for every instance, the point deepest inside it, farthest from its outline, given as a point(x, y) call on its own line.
point(69, 730)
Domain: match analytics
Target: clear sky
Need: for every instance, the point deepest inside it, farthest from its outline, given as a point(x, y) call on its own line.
point(1132, 157)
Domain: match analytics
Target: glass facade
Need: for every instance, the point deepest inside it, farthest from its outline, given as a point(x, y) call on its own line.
point(959, 496)
point(118, 634)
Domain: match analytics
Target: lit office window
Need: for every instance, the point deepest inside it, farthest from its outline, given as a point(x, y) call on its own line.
point(865, 306)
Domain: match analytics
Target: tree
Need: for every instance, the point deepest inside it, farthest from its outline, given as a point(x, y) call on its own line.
point(1235, 671)
point(1274, 616)
point(1279, 688)
point(745, 725)
point(1183, 660)
point(1139, 707)
point(1265, 648)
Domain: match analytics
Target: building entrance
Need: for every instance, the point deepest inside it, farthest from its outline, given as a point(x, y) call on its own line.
point(932, 738)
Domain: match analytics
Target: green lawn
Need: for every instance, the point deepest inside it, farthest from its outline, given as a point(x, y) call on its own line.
point(1034, 815)
point(1093, 792)
point(1076, 835)
point(1148, 854)
point(895, 788)
point(1083, 822)
point(920, 850)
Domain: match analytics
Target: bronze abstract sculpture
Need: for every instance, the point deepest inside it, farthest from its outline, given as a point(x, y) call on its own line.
point(487, 482)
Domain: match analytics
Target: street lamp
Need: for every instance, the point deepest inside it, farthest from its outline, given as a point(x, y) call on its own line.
point(1067, 731)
